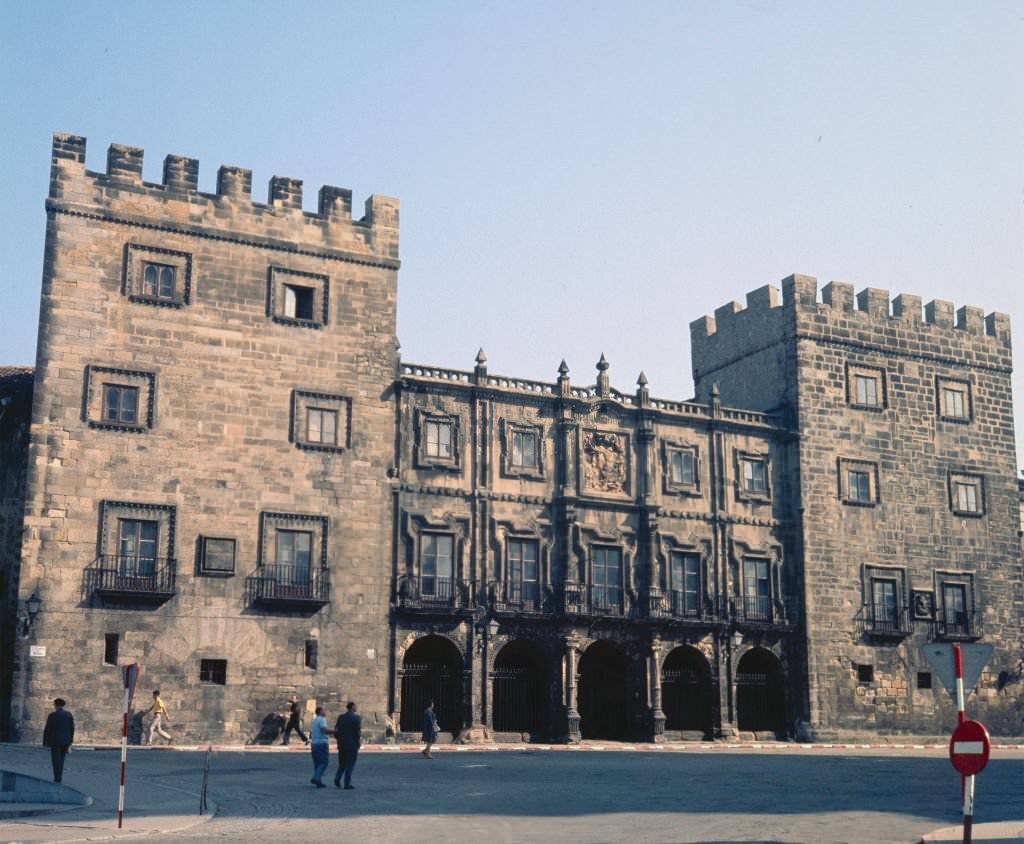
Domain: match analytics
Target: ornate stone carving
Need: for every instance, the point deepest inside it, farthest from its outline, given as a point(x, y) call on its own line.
point(605, 466)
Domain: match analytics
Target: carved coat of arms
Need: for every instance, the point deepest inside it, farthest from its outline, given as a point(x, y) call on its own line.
point(604, 462)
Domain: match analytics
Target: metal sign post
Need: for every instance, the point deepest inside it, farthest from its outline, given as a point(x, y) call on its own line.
point(130, 677)
point(969, 749)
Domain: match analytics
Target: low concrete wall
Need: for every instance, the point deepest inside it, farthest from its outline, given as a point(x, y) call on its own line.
point(21, 788)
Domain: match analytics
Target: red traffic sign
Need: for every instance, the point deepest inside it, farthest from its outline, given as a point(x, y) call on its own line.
point(969, 748)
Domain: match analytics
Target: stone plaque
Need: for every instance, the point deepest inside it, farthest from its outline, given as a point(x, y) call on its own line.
point(605, 463)
point(923, 604)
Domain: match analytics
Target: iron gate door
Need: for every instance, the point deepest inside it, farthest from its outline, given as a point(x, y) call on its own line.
point(431, 681)
point(684, 700)
point(758, 701)
point(518, 700)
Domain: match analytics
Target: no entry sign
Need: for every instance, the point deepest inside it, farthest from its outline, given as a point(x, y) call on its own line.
point(969, 748)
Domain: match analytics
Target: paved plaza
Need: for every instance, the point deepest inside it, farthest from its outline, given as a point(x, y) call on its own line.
point(768, 794)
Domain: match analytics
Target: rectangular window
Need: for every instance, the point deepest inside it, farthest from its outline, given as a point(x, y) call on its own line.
point(884, 604)
point(606, 577)
point(954, 401)
point(683, 468)
point(311, 653)
point(293, 555)
point(213, 671)
point(322, 426)
point(524, 449)
point(218, 556)
point(110, 646)
point(924, 679)
point(757, 591)
point(755, 476)
point(298, 302)
point(966, 496)
point(684, 583)
point(120, 404)
point(866, 390)
point(865, 673)
point(439, 438)
point(137, 542)
point(954, 608)
point(158, 281)
point(859, 486)
point(436, 565)
point(523, 571)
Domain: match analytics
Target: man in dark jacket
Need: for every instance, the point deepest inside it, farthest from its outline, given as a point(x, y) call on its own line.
point(58, 735)
point(349, 732)
point(294, 721)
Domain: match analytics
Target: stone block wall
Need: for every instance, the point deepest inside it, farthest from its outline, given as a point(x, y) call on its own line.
point(225, 376)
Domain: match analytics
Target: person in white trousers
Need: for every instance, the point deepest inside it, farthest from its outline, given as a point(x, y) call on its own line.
point(159, 710)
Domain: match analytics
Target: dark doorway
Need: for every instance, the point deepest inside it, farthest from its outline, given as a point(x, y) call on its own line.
point(603, 693)
point(760, 693)
point(432, 670)
point(686, 691)
point(520, 690)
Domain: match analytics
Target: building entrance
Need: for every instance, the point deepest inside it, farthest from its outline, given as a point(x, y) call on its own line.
point(686, 691)
point(760, 693)
point(603, 693)
point(432, 670)
point(520, 689)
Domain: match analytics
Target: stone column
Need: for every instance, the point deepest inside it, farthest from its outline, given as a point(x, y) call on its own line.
point(654, 689)
point(572, 715)
point(725, 727)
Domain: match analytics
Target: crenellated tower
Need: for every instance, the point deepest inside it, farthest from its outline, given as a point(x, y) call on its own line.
point(904, 471)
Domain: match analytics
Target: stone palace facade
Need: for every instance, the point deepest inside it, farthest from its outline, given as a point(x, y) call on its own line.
point(219, 467)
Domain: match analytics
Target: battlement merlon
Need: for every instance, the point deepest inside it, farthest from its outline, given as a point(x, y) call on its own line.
point(735, 330)
point(120, 192)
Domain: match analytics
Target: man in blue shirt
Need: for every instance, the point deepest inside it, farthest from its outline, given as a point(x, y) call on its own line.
point(349, 732)
point(320, 747)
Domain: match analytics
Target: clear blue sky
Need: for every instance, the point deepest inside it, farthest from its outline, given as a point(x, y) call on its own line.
point(575, 178)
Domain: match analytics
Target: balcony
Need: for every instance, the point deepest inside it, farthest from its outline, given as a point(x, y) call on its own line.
point(675, 605)
point(432, 594)
point(884, 621)
point(762, 612)
point(509, 598)
point(289, 587)
point(593, 601)
point(119, 577)
point(956, 625)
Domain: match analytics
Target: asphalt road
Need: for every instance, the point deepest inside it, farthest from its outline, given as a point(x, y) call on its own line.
point(809, 796)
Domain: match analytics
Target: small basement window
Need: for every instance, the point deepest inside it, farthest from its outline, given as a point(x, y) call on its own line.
point(924, 679)
point(213, 671)
point(311, 653)
point(110, 645)
point(865, 673)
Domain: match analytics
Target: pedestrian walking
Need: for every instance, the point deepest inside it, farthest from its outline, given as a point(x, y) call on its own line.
point(58, 734)
point(159, 712)
point(430, 729)
point(349, 732)
point(320, 746)
point(294, 721)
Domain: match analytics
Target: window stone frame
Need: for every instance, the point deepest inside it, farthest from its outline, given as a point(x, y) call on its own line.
point(510, 427)
point(941, 382)
point(278, 277)
point(271, 522)
point(671, 487)
point(92, 397)
point(871, 572)
point(138, 254)
point(203, 571)
point(844, 466)
point(855, 369)
point(978, 480)
point(955, 577)
point(742, 493)
point(302, 401)
point(425, 461)
point(111, 513)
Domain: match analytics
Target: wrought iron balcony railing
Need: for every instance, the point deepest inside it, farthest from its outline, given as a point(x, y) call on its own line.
point(128, 577)
point(289, 586)
point(762, 612)
point(597, 601)
point(956, 624)
point(514, 597)
point(432, 594)
point(677, 605)
point(887, 620)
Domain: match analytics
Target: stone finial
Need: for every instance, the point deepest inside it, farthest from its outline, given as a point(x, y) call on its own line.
point(563, 379)
point(563, 368)
point(643, 395)
point(481, 358)
point(604, 387)
point(641, 381)
point(602, 365)
point(716, 399)
point(480, 372)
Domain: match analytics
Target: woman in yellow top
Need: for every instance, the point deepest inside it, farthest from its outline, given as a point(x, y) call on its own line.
point(159, 711)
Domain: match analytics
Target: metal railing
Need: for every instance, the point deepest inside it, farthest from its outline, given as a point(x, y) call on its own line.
point(956, 624)
point(677, 604)
point(578, 599)
point(128, 575)
point(511, 596)
point(289, 584)
point(763, 610)
point(887, 620)
point(427, 592)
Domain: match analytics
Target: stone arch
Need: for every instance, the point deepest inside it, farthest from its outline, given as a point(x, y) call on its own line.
point(432, 669)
